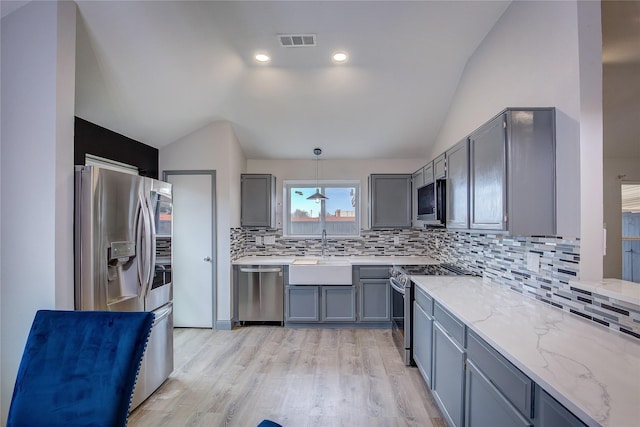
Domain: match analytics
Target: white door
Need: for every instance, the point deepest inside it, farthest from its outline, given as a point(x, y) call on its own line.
point(193, 244)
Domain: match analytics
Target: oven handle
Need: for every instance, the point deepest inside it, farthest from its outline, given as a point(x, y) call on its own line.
point(396, 285)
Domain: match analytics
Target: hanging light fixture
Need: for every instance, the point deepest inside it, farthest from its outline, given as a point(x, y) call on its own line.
point(317, 195)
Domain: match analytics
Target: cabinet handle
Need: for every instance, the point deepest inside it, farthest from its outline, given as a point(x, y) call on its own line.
point(261, 270)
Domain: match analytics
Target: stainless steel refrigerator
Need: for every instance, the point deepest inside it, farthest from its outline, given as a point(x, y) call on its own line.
point(123, 229)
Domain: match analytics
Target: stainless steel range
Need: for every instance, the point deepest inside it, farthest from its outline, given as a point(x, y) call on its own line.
point(402, 300)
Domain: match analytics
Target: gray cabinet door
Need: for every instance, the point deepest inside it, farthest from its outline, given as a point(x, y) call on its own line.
point(487, 176)
point(550, 413)
point(390, 201)
point(440, 167)
point(417, 181)
point(302, 304)
point(485, 406)
point(531, 172)
point(374, 299)
point(427, 173)
point(448, 376)
point(422, 341)
point(338, 303)
point(257, 208)
point(457, 212)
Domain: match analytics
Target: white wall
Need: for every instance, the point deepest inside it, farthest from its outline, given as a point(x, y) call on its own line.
point(38, 81)
point(214, 147)
point(304, 169)
point(541, 54)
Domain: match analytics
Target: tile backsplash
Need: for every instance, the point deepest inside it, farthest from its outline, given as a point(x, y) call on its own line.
point(501, 258)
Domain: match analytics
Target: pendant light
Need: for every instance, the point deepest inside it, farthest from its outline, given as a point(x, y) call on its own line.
point(317, 195)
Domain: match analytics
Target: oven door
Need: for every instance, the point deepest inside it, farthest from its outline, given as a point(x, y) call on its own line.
point(401, 322)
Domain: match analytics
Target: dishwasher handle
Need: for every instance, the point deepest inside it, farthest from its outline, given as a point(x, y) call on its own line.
point(261, 270)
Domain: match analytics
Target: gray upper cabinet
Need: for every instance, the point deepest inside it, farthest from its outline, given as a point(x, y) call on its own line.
point(512, 173)
point(427, 173)
point(258, 200)
point(487, 176)
point(440, 167)
point(390, 201)
point(457, 199)
point(417, 181)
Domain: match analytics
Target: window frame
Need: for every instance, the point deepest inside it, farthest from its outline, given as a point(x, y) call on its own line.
point(336, 183)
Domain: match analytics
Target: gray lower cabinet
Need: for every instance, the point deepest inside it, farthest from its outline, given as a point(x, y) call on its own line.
point(302, 304)
point(512, 384)
point(390, 200)
point(422, 332)
point(486, 406)
point(318, 304)
point(472, 383)
point(550, 413)
point(448, 375)
point(338, 303)
point(374, 300)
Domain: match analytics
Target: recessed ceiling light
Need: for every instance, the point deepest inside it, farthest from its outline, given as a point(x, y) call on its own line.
point(261, 57)
point(339, 57)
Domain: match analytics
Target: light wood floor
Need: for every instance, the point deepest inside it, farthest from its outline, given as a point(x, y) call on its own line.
point(296, 377)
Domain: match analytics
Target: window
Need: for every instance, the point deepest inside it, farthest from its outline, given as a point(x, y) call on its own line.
point(339, 215)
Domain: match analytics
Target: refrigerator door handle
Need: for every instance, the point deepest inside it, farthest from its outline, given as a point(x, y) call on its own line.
point(139, 242)
point(144, 259)
point(152, 239)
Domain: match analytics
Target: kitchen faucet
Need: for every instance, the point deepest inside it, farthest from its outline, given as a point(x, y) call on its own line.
point(324, 243)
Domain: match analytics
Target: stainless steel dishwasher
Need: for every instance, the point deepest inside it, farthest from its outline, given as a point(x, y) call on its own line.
point(261, 293)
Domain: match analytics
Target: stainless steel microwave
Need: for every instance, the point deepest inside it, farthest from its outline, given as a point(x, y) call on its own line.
point(431, 203)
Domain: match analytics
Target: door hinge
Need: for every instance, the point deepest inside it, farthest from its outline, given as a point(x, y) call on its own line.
point(504, 124)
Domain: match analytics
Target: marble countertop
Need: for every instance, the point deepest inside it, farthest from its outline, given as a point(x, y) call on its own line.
point(592, 370)
point(353, 260)
point(613, 288)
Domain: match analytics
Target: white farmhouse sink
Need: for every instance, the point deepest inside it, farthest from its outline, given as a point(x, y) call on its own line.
point(320, 271)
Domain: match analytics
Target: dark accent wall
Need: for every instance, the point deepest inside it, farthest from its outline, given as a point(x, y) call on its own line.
point(93, 139)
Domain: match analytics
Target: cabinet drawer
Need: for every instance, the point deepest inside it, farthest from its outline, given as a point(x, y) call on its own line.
point(424, 301)
point(449, 323)
point(512, 383)
point(486, 406)
point(377, 272)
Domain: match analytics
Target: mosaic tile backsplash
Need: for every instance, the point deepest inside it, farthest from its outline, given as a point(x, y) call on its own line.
point(501, 258)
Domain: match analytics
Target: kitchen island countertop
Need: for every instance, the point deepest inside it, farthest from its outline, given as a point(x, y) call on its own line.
point(592, 370)
point(353, 260)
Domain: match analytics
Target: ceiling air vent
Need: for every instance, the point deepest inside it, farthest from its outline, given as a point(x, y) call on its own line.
point(297, 40)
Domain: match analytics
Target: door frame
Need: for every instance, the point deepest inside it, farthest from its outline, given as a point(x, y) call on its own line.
point(214, 253)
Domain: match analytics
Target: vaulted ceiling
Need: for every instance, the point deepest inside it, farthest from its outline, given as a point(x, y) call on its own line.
point(156, 71)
